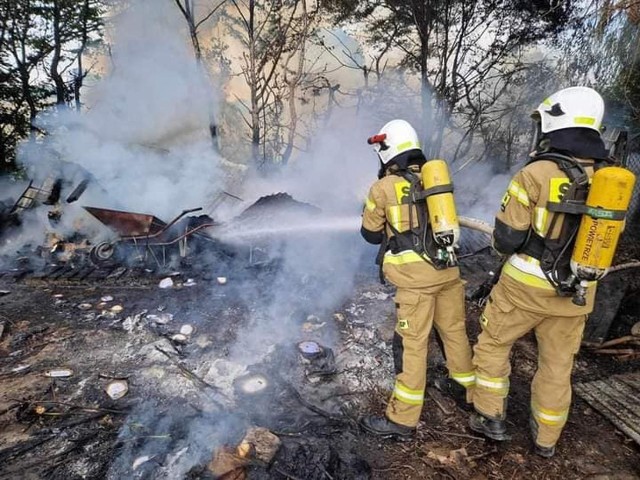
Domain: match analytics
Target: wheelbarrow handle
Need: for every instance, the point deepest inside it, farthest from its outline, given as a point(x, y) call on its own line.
point(172, 223)
point(191, 210)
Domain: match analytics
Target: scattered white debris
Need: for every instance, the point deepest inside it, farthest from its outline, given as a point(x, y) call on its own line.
point(252, 383)
point(160, 319)
point(186, 329)
point(4, 292)
point(21, 368)
point(223, 374)
point(166, 283)
point(375, 296)
point(172, 459)
point(58, 295)
point(117, 389)
point(1, 329)
point(116, 309)
point(222, 280)
point(339, 317)
point(101, 306)
point(106, 298)
point(131, 322)
point(179, 338)
point(203, 341)
point(59, 373)
point(190, 282)
point(309, 327)
point(140, 460)
point(355, 309)
point(84, 306)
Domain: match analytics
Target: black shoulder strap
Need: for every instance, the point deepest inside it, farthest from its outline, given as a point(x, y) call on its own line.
point(571, 167)
point(384, 245)
point(575, 197)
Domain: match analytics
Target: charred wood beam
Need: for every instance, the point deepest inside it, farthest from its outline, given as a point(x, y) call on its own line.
point(617, 401)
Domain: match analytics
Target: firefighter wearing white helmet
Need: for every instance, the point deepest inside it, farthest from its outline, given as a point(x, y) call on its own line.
point(539, 289)
point(416, 255)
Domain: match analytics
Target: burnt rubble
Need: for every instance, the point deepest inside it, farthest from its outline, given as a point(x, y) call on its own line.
point(188, 406)
point(107, 375)
point(143, 242)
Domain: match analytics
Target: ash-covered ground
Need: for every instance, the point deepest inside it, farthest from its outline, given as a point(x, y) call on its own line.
point(205, 360)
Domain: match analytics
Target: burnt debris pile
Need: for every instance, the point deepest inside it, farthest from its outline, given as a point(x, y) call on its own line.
point(100, 243)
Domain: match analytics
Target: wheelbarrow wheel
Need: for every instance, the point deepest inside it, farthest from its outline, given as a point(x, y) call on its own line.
point(102, 253)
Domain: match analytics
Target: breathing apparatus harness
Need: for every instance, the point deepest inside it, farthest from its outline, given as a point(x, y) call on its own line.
point(419, 237)
point(555, 254)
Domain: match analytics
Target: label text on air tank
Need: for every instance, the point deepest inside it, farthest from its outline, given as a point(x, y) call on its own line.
point(591, 237)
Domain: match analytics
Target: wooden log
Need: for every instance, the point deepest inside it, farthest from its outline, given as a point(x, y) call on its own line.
point(616, 351)
point(617, 408)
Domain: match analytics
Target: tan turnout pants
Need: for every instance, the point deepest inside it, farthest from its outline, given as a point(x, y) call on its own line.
point(558, 341)
point(418, 310)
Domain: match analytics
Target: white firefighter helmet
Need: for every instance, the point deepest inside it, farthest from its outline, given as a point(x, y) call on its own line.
point(394, 138)
point(574, 107)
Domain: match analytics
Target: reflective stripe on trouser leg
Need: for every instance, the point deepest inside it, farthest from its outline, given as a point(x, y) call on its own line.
point(558, 342)
point(466, 379)
point(415, 317)
point(408, 396)
point(449, 320)
point(502, 325)
point(552, 418)
point(495, 385)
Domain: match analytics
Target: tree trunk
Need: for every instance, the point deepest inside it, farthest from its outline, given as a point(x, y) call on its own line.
point(55, 61)
point(78, 81)
point(253, 76)
point(293, 85)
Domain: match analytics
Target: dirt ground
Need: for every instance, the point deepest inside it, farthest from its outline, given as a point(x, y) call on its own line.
point(178, 404)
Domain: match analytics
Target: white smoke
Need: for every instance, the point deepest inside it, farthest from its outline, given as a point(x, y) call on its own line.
point(478, 191)
point(144, 139)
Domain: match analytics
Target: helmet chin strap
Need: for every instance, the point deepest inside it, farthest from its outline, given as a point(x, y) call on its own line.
point(382, 170)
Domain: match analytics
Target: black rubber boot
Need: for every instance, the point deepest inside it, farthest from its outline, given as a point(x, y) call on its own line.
point(384, 427)
point(493, 429)
point(453, 389)
point(546, 452)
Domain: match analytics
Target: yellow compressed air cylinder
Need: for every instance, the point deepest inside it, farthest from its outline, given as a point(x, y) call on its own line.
point(602, 224)
point(440, 203)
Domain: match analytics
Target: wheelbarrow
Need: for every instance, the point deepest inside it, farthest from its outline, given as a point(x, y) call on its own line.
point(147, 234)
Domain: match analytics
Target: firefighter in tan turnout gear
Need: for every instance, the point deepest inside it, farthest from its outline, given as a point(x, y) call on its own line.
point(421, 263)
point(550, 225)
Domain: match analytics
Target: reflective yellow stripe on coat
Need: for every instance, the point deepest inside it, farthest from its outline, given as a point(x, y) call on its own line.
point(370, 204)
point(517, 191)
point(526, 271)
point(402, 258)
point(395, 217)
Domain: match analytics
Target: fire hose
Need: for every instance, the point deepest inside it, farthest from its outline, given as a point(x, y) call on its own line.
point(475, 224)
point(485, 227)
